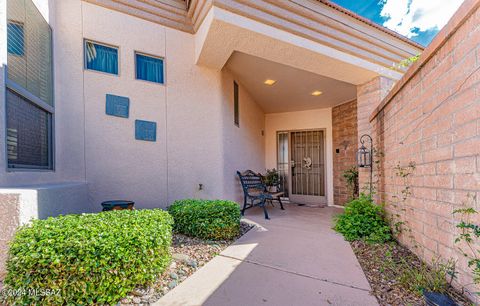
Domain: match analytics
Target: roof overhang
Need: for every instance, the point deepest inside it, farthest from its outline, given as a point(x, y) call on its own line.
point(315, 35)
point(224, 32)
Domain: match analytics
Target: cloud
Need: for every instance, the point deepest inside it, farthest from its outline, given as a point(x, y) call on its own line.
point(408, 17)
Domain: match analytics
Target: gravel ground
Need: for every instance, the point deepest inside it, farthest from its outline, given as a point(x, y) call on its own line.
point(188, 255)
point(382, 278)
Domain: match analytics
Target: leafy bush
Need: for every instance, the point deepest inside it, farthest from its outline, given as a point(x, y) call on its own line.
point(363, 220)
point(88, 258)
point(207, 219)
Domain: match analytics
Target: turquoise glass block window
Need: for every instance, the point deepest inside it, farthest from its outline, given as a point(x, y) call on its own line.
point(15, 39)
point(149, 68)
point(101, 58)
point(117, 106)
point(145, 130)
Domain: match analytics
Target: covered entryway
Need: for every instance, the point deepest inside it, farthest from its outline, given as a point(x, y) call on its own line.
point(297, 61)
point(297, 130)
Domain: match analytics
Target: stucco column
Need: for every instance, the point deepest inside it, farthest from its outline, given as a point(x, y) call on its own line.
point(9, 221)
point(369, 96)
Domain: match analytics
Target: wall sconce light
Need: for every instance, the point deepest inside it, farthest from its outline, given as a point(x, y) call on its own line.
point(364, 156)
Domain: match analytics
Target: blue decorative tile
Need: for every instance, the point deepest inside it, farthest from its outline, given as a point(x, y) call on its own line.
point(117, 106)
point(145, 130)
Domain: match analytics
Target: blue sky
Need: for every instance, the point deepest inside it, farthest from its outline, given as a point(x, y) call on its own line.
point(419, 20)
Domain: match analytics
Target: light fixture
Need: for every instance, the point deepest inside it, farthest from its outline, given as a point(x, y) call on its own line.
point(316, 93)
point(364, 156)
point(269, 82)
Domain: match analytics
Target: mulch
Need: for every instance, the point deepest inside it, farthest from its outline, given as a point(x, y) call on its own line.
point(383, 279)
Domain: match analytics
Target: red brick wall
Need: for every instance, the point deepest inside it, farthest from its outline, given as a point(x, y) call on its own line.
point(434, 121)
point(344, 121)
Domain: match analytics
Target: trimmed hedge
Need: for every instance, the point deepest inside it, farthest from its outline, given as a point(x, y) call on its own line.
point(207, 219)
point(363, 220)
point(88, 258)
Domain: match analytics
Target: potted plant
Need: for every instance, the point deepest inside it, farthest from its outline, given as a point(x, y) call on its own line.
point(272, 180)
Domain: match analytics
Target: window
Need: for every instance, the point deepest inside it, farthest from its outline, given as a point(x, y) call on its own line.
point(149, 68)
point(29, 134)
point(29, 97)
point(101, 58)
point(15, 40)
point(236, 116)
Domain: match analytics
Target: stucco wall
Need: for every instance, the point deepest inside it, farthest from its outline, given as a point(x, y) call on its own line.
point(187, 110)
point(243, 146)
point(432, 118)
point(312, 119)
point(9, 220)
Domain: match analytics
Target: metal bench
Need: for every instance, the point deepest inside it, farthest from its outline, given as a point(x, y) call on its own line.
point(255, 191)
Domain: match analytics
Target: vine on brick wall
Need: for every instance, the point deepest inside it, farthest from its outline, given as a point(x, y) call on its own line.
point(470, 235)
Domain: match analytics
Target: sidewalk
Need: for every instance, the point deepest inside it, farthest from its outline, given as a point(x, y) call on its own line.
point(293, 259)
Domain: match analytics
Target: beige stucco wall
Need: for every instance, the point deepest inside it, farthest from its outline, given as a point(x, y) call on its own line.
point(312, 119)
point(187, 110)
point(243, 146)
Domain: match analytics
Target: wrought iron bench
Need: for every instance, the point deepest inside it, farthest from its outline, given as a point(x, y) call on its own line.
point(255, 191)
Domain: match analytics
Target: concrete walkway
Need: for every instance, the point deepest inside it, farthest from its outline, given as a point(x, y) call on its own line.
point(293, 259)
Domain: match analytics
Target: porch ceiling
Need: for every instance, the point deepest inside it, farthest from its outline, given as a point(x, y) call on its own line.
point(293, 87)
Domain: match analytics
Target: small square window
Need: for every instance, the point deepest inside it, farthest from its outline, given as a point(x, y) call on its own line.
point(149, 68)
point(15, 38)
point(101, 58)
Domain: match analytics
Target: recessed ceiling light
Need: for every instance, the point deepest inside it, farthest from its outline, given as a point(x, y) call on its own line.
point(316, 93)
point(269, 82)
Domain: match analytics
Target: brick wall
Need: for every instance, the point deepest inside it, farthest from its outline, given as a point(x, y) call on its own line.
point(432, 118)
point(344, 122)
point(369, 95)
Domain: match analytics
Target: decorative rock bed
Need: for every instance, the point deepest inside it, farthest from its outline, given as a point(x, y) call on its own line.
point(188, 255)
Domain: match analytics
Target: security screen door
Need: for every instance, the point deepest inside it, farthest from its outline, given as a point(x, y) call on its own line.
point(304, 176)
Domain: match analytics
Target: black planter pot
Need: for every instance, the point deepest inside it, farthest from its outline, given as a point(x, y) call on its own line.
point(438, 299)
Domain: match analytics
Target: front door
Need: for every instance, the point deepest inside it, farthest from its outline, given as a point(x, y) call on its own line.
point(305, 175)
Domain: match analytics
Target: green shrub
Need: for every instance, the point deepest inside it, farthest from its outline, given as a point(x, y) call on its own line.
point(89, 258)
point(207, 219)
point(363, 220)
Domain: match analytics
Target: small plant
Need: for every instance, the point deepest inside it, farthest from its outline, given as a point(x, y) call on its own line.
point(363, 220)
point(405, 63)
point(398, 220)
point(351, 177)
point(271, 178)
point(436, 277)
point(469, 235)
point(89, 258)
point(207, 219)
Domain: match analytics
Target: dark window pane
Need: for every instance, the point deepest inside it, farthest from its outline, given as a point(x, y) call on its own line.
point(28, 134)
point(149, 68)
point(236, 118)
point(101, 58)
point(15, 43)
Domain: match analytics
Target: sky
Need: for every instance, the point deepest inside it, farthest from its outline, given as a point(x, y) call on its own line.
point(419, 20)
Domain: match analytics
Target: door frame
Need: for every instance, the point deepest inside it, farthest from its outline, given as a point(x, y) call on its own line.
point(324, 198)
